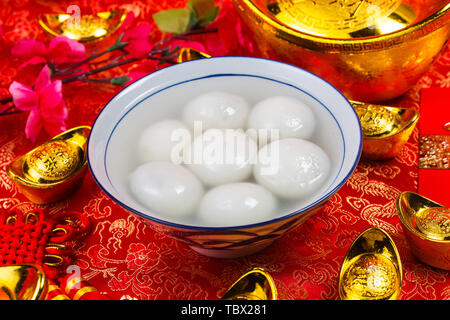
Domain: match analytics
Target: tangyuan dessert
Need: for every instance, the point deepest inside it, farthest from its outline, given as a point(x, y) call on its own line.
point(221, 156)
point(166, 188)
point(289, 116)
point(292, 168)
point(157, 142)
point(236, 204)
point(210, 166)
point(217, 110)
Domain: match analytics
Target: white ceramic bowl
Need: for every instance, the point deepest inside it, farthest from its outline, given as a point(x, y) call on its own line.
point(163, 94)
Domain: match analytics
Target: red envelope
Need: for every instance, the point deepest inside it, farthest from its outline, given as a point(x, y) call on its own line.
point(434, 145)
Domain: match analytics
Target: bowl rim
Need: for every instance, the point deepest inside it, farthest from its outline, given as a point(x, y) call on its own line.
point(179, 225)
point(344, 41)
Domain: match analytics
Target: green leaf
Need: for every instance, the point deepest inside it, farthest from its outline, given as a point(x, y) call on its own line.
point(120, 81)
point(193, 20)
point(173, 20)
point(205, 11)
point(118, 44)
point(209, 17)
point(201, 7)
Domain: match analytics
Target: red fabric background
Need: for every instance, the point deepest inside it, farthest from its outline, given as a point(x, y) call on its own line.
point(435, 111)
point(127, 260)
point(434, 115)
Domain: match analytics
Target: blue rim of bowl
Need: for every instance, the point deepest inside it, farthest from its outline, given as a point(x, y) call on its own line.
point(246, 226)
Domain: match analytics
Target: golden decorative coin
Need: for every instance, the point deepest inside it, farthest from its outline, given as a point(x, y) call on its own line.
point(52, 161)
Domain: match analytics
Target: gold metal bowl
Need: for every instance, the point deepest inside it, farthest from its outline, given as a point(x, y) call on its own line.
point(85, 27)
point(427, 228)
point(370, 50)
point(255, 284)
point(22, 282)
point(54, 169)
point(385, 129)
point(371, 269)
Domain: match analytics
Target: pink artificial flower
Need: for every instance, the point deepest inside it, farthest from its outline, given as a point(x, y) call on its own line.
point(61, 51)
point(137, 37)
point(129, 19)
point(138, 41)
point(45, 103)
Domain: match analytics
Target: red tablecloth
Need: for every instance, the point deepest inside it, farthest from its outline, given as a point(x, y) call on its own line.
point(126, 259)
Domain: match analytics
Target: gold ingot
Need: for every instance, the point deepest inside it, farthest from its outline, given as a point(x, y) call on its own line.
point(370, 50)
point(255, 284)
point(52, 161)
point(426, 225)
point(83, 27)
point(371, 269)
point(188, 54)
point(22, 282)
point(54, 169)
point(385, 129)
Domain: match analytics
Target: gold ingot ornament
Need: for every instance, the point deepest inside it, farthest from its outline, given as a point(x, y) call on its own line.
point(53, 170)
point(22, 282)
point(371, 269)
point(83, 27)
point(426, 225)
point(188, 54)
point(255, 284)
point(370, 50)
point(385, 129)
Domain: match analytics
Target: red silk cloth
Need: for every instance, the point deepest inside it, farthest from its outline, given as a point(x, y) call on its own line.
point(126, 259)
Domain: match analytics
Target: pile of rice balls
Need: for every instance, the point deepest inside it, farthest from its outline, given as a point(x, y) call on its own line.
point(227, 163)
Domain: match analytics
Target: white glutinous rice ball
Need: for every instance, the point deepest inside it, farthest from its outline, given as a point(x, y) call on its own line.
point(289, 116)
point(217, 110)
point(220, 156)
point(292, 168)
point(159, 140)
point(166, 188)
point(237, 204)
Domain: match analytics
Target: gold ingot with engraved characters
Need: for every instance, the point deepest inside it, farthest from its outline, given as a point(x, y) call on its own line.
point(53, 170)
point(426, 225)
point(371, 269)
